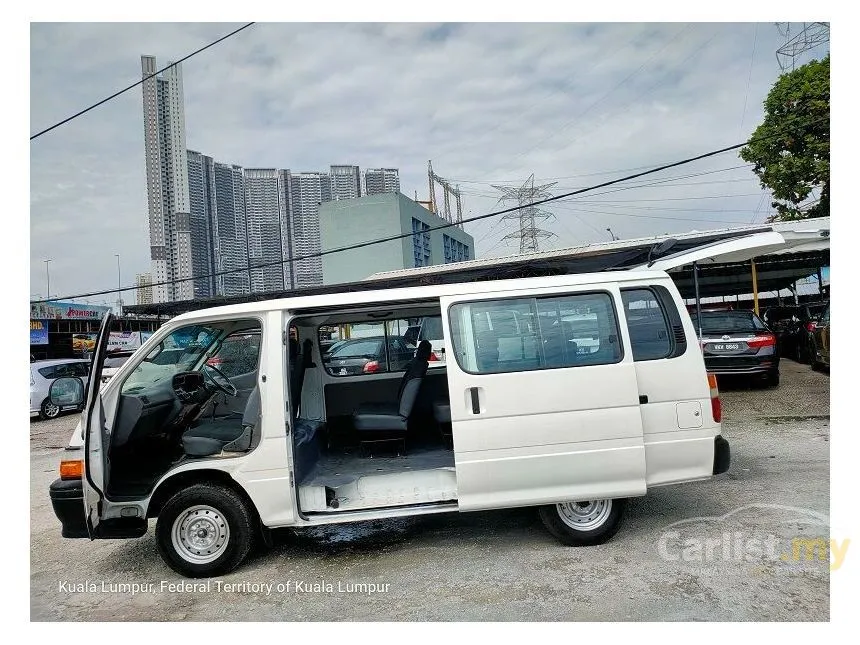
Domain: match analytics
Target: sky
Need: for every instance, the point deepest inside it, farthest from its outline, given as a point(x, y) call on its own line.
point(490, 103)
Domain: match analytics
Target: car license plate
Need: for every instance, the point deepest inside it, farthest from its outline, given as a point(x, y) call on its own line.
point(726, 347)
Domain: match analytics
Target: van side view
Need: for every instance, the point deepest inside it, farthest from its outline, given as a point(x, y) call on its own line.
point(569, 394)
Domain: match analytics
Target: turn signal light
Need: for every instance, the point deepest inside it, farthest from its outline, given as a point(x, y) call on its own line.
point(433, 357)
point(73, 469)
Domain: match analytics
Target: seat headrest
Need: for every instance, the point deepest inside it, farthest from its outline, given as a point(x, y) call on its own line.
point(424, 349)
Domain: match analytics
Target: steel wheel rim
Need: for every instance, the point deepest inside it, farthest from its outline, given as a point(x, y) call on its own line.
point(51, 410)
point(585, 516)
point(200, 534)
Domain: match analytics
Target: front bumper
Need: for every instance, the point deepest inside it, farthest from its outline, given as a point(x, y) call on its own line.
point(722, 455)
point(67, 498)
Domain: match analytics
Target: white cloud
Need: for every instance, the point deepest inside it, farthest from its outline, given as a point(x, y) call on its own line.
point(484, 101)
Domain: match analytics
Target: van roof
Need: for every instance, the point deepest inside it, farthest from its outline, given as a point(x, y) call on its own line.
point(406, 294)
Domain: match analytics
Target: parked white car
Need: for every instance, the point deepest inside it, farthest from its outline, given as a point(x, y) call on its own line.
point(43, 373)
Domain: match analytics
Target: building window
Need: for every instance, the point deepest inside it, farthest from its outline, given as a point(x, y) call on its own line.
point(455, 251)
point(421, 243)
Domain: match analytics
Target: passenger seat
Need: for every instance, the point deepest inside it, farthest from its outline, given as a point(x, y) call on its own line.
point(383, 421)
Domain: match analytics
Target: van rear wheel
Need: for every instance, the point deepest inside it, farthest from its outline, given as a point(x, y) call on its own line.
point(204, 530)
point(583, 523)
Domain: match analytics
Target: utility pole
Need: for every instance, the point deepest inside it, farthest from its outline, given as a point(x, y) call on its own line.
point(118, 285)
point(528, 232)
point(48, 275)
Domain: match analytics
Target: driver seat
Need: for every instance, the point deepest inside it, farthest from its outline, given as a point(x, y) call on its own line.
point(216, 435)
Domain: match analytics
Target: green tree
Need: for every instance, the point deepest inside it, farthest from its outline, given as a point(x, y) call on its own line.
point(790, 150)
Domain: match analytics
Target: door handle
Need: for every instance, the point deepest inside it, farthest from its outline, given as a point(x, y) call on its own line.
point(476, 403)
point(643, 398)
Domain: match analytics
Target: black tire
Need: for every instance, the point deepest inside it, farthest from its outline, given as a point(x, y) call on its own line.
point(772, 378)
point(228, 506)
point(813, 357)
point(48, 411)
point(551, 516)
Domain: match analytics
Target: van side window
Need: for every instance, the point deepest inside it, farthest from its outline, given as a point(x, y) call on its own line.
point(521, 334)
point(352, 349)
point(650, 337)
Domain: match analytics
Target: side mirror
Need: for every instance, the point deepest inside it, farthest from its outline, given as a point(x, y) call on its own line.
point(67, 391)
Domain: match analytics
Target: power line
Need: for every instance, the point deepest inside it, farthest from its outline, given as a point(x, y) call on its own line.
point(133, 85)
point(438, 227)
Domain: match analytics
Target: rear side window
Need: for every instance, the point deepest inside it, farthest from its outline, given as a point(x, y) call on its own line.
point(650, 336)
point(522, 334)
point(64, 370)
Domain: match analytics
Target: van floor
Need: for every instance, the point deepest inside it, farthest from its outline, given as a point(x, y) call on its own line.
point(347, 481)
point(338, 468)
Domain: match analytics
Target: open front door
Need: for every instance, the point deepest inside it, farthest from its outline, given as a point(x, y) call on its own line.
point(544, 398)
point(95, 435)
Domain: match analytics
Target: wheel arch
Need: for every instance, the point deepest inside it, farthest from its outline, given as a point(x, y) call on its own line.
point(171, 485)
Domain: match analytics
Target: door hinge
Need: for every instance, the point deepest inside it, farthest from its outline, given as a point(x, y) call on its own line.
point(643, 398)
point(292, 480)
point(285, 337)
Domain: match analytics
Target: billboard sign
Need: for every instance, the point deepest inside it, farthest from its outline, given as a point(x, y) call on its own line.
point(123, 340)
point(67, 311)
point(38, 332)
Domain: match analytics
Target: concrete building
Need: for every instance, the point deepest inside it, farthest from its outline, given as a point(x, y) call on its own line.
point(381, 180)
point(229, 234)
point(201, 201)
point(375, 216)
point(167, 181)
point(308, 191)
point(144, 288)
point(267, 215)
point(345, 182)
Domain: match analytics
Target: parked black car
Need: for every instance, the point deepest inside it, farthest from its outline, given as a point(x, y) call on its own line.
point(738, 342)
point(794, 326)
point(367, 356)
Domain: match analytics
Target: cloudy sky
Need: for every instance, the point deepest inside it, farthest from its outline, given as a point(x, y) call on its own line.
point(575, 104)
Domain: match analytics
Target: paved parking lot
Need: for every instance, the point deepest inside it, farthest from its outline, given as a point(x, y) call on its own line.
point(683, 552)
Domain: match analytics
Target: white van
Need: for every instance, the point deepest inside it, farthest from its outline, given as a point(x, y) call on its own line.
point(567, 393)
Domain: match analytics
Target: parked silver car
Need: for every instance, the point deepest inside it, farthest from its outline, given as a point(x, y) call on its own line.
point(43, 373)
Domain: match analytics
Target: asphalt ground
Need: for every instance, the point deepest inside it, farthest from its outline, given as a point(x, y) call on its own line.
point(724, 549)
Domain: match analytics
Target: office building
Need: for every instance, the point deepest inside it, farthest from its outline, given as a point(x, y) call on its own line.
point(167, 182)
point(381, 180)
point(144, 288)
point(201, 198)
point(343, 223)
point(345, 182)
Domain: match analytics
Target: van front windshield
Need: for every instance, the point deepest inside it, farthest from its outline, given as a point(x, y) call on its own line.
point(181, 351)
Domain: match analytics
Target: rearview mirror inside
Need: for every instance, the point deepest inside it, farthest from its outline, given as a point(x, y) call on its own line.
point(67, 391)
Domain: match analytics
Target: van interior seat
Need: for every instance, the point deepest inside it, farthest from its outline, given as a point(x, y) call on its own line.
point(390, 419)
point(212, 436)
point(442, 411)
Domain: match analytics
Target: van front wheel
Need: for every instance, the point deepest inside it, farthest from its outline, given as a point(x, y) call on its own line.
point(583, 523)
point(204, 530)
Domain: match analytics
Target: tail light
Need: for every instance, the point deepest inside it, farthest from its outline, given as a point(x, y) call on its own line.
point(716, 406)
point(810, 326)
point(433, 357)
point(215, 361)
point(371, 367)
point(766, 340)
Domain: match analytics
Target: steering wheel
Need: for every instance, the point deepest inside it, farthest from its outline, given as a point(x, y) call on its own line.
point(219, 380)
